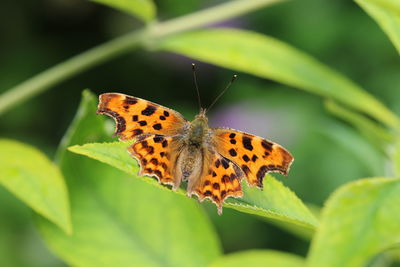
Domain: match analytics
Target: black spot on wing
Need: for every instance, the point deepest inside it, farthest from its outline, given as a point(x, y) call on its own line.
point(225, 163)
point(158, 139)
point(150, 150)
point(157, 126)
point(207, 193)
point(245, 169)
point(217, 163)
point(129, 100)
point(225, 179)
point(232, 152)
point(164, 166)
point(154, 161)
point(223, 193)
point(137, 131)
point(150, 109)
point(164, 143)
point(247, 143)
point(144, 144)
point(267, 145)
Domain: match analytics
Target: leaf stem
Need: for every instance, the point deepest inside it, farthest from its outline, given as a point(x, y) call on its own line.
point(124, 44)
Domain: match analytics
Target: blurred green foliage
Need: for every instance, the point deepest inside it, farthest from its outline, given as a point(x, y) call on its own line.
point(331, 49)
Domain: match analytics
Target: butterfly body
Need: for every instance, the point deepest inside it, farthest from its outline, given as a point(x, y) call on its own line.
point(198, 128)
point(213, 161)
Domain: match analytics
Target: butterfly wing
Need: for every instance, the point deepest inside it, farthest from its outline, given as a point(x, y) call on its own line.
point(219, 180)
point(135, 116)
point(254, 155)
point(157, 155)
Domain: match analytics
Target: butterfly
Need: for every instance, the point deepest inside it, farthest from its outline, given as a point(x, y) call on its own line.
point(213, 161)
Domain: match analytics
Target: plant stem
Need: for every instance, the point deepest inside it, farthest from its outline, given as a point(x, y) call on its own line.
point(209, 16)
point(68, 68)
point(123, 44)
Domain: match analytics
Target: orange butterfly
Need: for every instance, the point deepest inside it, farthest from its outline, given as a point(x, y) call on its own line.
point(212, 160)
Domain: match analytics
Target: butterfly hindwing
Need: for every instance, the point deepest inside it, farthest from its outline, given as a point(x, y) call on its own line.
point(135, 116)
point(254, 155)
point(157, 155)
point(220, 179)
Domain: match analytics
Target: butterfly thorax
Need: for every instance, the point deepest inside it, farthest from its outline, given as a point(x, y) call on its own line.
point(198, 130)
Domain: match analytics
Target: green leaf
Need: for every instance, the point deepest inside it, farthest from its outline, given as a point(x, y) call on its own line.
point(143, 9)
point(270, 58)
point(304, 233)
point(387, 14)
point(33, 178)
point(274, 201)
point(359, 220)
point(375, 133)
point(261, 258)
point(120, 220)
point(348, 138)
point(396, 158)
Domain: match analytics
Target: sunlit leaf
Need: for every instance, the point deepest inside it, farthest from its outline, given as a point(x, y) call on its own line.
point(359, 220)
point(32, 177)
point(267, 57)
point(143, 9)
point(274, 201)
point(261, 258)
point(120, 220)
point(387, 14)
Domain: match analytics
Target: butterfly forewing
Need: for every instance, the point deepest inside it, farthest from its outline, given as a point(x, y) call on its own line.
point(135, 116)
point(254, 155)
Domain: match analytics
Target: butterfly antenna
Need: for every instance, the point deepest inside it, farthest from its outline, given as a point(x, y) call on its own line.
point(195, 83)
point(223, 91)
